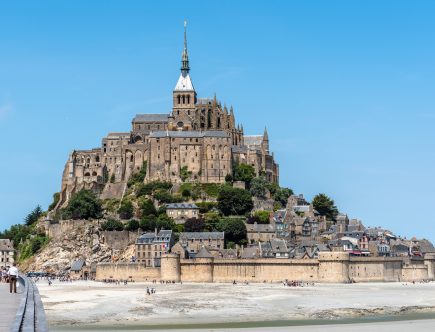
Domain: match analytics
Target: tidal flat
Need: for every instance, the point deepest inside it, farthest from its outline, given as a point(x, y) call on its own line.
point(88, 305)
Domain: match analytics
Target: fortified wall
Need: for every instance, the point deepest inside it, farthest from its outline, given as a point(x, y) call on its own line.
point(333, 267)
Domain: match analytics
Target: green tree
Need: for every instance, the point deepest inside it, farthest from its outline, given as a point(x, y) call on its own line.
point(56, 197)
point(33, 216)
point(194, 225)
point(163, 196)
point(126, 209)
point(281, 195)
point(234, 229)
point(148, 223)
point(243, 172)
point(228, 178)
point(112, 225)
point(132, 225)
point(234, 201)
point(147, 208)
point(83, 205)
point(112, 178)
point(165, 222)
point(325, 206)
point(186, 193)
point(258, 187)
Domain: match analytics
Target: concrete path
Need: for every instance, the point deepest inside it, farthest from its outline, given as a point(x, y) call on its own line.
point(8, 307)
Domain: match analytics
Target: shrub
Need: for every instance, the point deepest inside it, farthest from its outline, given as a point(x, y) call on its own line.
point(112, 225)
point(186, 193)
point(126, 209)
point(56, 197)
point(138, 177)
point(185, 173)
point(205, 207)
point(132, 225)
point(147, 208)
point(262, 216)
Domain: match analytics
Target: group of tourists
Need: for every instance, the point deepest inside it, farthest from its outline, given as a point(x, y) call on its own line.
point(297, 283)
point(151, 291)
point(10, 275)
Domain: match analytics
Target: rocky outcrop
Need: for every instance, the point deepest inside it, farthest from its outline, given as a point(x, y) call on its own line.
point(78, 239)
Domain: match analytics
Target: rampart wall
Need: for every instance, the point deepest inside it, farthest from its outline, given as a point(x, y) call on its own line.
point(333, 267)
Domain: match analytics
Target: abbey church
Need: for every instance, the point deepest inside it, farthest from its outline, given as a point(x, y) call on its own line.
point(198, 135)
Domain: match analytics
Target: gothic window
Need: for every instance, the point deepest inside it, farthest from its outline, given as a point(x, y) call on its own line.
point(87, 174)
point(219, 122)
point(131, 158)
point(209, 119)
point(184, 99)
point(94, 173)
point(188, 112)
point(97, 159)
point(178, 97)
point(188, 100)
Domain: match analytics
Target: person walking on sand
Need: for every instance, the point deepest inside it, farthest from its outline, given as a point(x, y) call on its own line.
point(13, 275)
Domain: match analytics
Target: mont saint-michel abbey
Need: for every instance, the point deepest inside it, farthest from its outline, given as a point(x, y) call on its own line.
point(199, 134)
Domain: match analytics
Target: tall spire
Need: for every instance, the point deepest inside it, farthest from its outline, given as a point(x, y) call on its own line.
point(185, 56)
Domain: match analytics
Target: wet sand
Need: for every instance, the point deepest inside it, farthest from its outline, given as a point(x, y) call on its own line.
point(89, 305)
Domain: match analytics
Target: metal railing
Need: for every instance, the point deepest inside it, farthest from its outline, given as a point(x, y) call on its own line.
point(30, 314)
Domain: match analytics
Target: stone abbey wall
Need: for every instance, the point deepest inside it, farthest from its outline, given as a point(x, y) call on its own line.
point(333, 267)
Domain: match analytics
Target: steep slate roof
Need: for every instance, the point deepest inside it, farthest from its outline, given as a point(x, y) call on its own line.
point(151, 118)
point(184, 83)
point(250, 252)
point(203, 253)
point(162, 236)
point(202, 235)
point(239, 149)
point(181, 206)
point(262, 228)
point(77, 265)
point(190, 134)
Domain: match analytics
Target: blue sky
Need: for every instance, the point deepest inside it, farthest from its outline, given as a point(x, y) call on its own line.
point(345, 88)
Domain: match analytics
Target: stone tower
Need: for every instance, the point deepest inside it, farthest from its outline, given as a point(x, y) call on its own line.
point(184, 95)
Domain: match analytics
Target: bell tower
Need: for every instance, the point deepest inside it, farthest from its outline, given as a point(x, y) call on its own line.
point(184, 94)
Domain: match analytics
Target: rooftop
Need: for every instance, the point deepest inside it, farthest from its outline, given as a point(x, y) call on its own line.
point(190, 134)
point(181, 206)
point(202, 235)
point(151, 118)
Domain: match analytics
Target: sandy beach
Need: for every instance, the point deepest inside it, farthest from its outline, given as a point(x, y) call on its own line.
point(95, 305)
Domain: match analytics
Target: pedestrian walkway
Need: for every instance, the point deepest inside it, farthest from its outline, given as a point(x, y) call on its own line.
point(8, 307)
